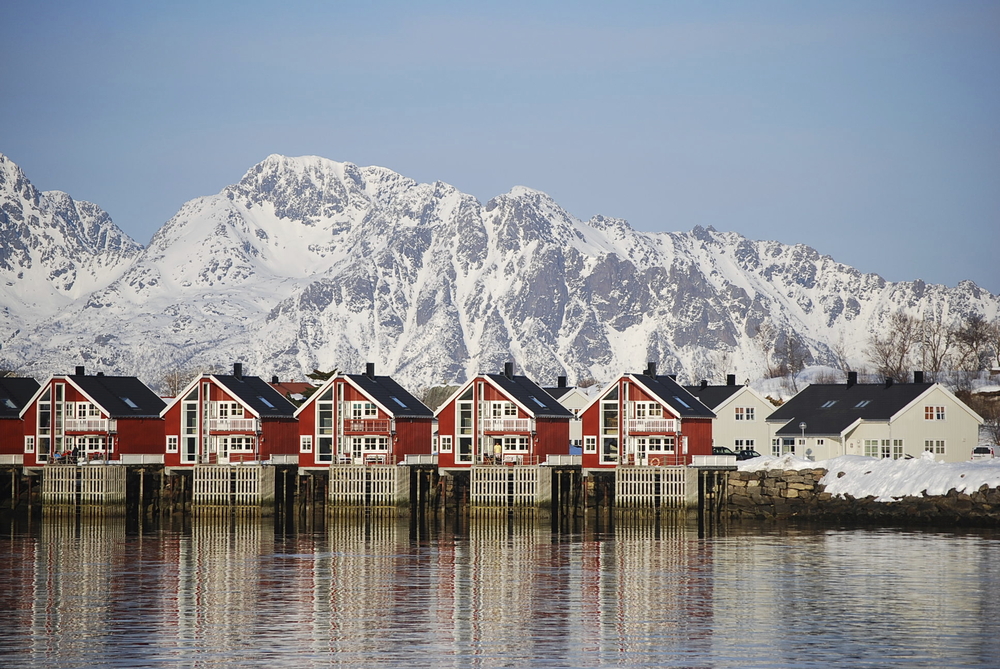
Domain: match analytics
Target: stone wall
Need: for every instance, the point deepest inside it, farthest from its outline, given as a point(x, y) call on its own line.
point(798, 493)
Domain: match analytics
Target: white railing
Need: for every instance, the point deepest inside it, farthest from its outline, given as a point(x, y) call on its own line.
point(365, 425)
point(233, 425)
point(713, 461)
point(563, 460)
point(90, 425)
point(420, 459)
point(508, 425)
point(659, 425)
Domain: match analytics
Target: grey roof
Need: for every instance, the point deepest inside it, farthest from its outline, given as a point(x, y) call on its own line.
point(713, 396)
point(674, 395)
point(829, 409)
point(532, 396)
point(559, 392)
point(392, 396)
point(15, 393)
point(258, 395)
point(121, 396)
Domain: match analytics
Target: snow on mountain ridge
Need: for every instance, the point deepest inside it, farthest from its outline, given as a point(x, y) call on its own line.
point(308, 263)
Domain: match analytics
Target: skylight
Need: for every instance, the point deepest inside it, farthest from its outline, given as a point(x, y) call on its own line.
point(828, 404)
point(397, 401)
point(129, 402)
point(862, 403)
point(682, 402)
point(536, 401)
point(266, 403)
point(10, 405)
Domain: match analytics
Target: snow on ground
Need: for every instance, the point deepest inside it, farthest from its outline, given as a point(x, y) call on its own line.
point(888, 480)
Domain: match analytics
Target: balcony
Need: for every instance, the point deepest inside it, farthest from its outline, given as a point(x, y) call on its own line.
point(87, 425)
point(508, 425)
point(652, 425)
point(233, 425)
point(365, 426)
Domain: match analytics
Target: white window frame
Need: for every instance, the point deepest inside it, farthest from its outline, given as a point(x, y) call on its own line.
point(935, 446)
point(446, 443)
point(305, 443)
point(29, 443)
point(590, 444)
point(173, 443)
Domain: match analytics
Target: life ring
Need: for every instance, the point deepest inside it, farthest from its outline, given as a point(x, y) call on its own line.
point(655, 462)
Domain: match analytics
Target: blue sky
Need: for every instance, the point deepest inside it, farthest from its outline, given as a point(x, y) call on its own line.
point(867, 130)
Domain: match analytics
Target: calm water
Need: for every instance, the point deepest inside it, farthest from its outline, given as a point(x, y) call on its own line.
point(220, 592)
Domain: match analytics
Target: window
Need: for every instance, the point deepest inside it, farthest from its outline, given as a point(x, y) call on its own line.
point(239, 443)
point(172, 442)
point(820, 442)
point(503, 409)
point(827, 405)
point(744, 413)
point(884, 449)
point(590, 444)
point(361, 410)
point(743, 443)
point(229, 409)
point(446, 443)
point(862, 403)
point(782, 446)
point(935, 446)
point(515, 444)
point(305, 443)
point(29, 444)
point(933, 413)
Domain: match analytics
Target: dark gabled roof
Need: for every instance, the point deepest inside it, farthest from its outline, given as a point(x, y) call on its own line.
point(674, 395)
point(559, 392)
point(530, 395)
point(713, 396)
point(15, 393)
point(829, 409)
point(257, 394)
point(121, 396)
point(392, 396)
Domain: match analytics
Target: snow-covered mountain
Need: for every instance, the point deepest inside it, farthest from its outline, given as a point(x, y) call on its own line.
point(309, 263)
point(53, 250)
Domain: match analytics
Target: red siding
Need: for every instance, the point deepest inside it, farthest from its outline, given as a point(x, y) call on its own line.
point(12, 436)
point(140, 436)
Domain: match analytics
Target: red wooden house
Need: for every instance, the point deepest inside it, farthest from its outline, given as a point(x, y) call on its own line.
point(77, 417)
point(501, 419)
point(645, 419)
point(220, 419)
point(15, 393)
point(362, 419)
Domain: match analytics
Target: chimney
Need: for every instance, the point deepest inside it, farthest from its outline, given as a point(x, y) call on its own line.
point(100, 373)
point(888, 382)
point(918, 377)
point(704, 384)
point(508, 370)
point(238, 370)
point(370, 370)
point(80, 371)
point(730, 379)
point(651, 369)
point(852, 379)
point(561, 381)
point(274, 379)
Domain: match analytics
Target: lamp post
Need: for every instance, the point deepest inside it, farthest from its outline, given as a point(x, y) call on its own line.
point(802, 426)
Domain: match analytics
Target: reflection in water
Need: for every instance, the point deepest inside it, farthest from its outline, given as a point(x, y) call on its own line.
point(491, 590)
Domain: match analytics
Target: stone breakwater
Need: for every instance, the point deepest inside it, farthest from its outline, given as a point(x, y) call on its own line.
point(798, 493)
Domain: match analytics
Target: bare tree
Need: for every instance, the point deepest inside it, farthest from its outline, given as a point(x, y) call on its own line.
point(839, 351)
point(974, 336)
point(891, 352)
point(937, 339)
